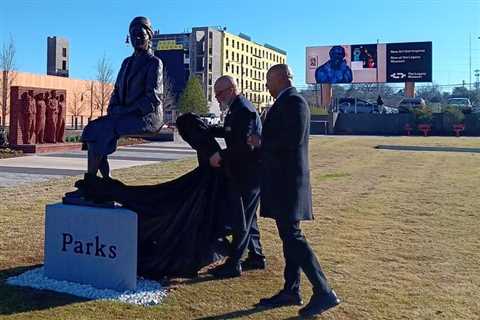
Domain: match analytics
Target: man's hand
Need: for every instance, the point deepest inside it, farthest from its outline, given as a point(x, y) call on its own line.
point(215, 160)
point(254, 140)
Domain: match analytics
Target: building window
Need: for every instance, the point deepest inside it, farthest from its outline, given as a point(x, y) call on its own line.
point(238, 70)
point(209, 79)
point(64, 65)
point(226, 39)
point(64, 52)
point(238, 57)
point(243, 48)
point(238, 45)
point(210, 35)
point(210, 94)
point(199, 64)
point(226, 54)
point(233, 43)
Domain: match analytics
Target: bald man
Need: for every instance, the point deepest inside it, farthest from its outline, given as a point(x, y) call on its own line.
point(286, 195)
point(241, 163)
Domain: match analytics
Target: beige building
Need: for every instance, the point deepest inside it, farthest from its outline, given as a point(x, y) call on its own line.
point(84, 99)
point(248, 63)
point(209, 53)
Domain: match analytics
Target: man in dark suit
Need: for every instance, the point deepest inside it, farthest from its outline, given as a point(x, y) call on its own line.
point(241, 163)
point(134, 108)
point(286, 194)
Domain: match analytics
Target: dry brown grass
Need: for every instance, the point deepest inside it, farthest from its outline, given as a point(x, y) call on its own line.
point(397, 234)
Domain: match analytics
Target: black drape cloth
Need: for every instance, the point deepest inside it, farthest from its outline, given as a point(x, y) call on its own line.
point(180, 222)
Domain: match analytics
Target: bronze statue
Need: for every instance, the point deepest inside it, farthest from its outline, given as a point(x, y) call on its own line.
point(135, 107)
point(62, 111)
point(40, 117)
point(51, 118)
point(29, 111)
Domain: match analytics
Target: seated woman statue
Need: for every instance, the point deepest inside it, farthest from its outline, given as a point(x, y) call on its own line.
point(134, 109)
point(181, 223)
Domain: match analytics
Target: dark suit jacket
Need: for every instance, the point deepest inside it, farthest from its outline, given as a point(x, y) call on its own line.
point(239, 159)
point(285, 180)
point(139, 85)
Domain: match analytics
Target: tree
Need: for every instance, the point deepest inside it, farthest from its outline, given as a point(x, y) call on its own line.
point(193, 98)
point(169, 96)
point(90, 89)
point(7, 65)
point(77, 103)
point(104, 88)
point(430, 93)
point(168, 99)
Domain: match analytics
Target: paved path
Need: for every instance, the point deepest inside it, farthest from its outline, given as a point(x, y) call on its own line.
point(41, 167)
point(422, 148)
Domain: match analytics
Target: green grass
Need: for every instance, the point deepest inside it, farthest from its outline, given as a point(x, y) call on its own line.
point(397, 234)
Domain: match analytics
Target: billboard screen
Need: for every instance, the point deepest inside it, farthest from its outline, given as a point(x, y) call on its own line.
point(366, 63)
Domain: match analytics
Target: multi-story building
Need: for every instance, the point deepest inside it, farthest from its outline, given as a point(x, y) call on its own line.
point(57, 56)
point(209, 53)
point(248, 63)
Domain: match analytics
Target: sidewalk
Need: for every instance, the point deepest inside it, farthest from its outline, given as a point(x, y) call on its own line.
point(41, 167)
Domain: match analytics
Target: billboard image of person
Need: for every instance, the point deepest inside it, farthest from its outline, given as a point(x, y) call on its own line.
point(335, 70)
point(369, 63)
point(364, 56)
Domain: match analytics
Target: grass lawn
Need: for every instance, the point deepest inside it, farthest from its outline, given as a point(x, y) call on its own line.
point(397, 234)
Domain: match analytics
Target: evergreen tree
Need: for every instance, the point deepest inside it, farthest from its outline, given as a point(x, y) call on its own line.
point(193, 99)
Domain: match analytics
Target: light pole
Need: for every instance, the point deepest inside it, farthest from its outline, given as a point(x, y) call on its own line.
point(470, 60)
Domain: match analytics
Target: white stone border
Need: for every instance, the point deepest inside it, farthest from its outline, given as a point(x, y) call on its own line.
point(148, 292)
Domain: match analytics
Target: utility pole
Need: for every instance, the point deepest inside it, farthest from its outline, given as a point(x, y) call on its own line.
point(470, 62)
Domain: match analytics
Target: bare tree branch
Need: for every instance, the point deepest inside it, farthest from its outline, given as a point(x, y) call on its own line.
point(77, 102)
point(7, 65)
point(169, 97)
point(104, 87)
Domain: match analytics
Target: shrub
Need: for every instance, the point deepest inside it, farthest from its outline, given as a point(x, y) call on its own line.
point(318, 111)
point(454, 115)
point(423, 115)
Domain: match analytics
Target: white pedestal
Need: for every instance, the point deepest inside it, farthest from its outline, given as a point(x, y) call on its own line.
point(95, 246)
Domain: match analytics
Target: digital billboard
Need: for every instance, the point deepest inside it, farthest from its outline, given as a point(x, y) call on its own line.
point(367, 63)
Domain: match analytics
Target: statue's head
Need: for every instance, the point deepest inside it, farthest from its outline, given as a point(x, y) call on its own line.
point(61, 97)
point(53, 94)
point(141, 33)
point(337, 54)
point(39, 96)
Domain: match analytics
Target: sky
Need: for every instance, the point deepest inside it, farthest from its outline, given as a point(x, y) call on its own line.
point(97, 28)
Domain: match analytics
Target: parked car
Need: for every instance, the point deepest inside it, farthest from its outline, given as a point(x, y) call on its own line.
point(388, 110)
point(355, 105)
point(408, 104)
point(211, 118)
point(463, 104)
